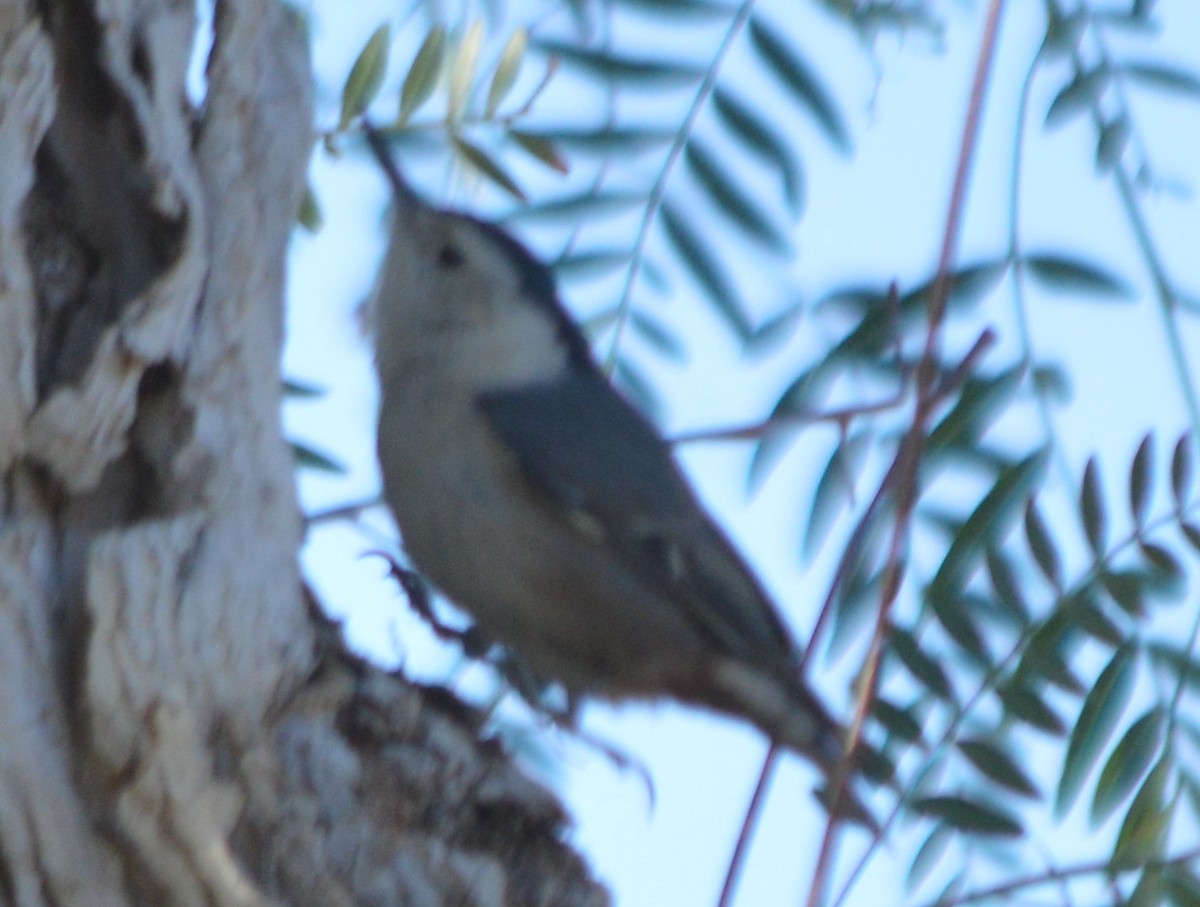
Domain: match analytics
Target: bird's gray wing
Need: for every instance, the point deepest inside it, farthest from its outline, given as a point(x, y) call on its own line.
point(610, 474)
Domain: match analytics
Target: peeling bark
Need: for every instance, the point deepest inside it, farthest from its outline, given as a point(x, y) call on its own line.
point(176, 726)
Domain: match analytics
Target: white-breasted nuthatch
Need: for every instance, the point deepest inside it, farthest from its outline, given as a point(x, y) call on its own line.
point(540, 501)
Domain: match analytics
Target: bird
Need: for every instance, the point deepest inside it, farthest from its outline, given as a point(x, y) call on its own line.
point(536, 498)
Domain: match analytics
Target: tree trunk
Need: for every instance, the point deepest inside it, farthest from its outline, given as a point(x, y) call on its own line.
point(176, 726)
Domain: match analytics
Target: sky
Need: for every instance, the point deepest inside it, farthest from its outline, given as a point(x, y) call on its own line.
point(878, 213)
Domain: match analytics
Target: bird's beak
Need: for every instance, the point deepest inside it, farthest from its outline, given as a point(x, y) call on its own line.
point(407, 201)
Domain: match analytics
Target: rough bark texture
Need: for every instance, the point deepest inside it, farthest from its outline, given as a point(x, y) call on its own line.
point(176, 727)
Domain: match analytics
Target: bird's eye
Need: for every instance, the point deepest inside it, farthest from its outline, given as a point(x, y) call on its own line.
point(449, 257)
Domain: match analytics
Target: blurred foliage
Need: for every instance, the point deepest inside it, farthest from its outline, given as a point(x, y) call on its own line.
point(1022, 626)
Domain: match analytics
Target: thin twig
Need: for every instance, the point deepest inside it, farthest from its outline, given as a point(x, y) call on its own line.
point(908, 455)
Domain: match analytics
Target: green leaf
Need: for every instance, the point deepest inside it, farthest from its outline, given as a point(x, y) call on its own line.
point(759, 136)
point(1091, 507)
point(1007, 589)
point(633, 71)
point(722, 188)
point(1097, 720)
point(1130, 760)
point(1024, 704)
point(1053, 382)
point(701, 260)
point(796, 75)
point(656, 334)
point(1166, 577)
point(506, 71)
point(1128, 589)
point(462, 71)
point(302, 390)
point(1073, 275)
point(978, 405)
point(1079, 95)
point(700, 9)
point(1114, 137)
point(999, 766)
point(1141, 476)
point(970, 816)
point(923, 668)
point(310, 458)
point(423, 74)
point(898, 722)
point(577, 207)
point(1144, 831)
point(1045, 554)
point(1086, 613)
point(482, 162)
point(309, 216)
point(606, 142)
point(835, 488)
point(928, 855)
point(592, 264)
point(366, 76)
point(540, 148)
point(1156, 74)
point(952, 610)
point(989, 521)
point(1181, 471)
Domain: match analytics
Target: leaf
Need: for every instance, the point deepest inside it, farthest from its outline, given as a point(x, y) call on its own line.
point(462, 71)
point(701, 261)
point(1156, 74)
point(796, 75)
point(1097, 720)
point(759, 136)
point(997, 765)
point(366, 75)
point(1130, 759)
point(506, 70)
point(1082, 93)
point(633, 71)
point(540, 148)
point(309, 215)
point(928, 855)
point(1068, 274)
point(1091, 507)
point(953, 612)
point(591, 265)
point(1166, 577)
point(898, 722)
point(922, 667)
point(606, 142)
point(1140, 480)
point(480, 160)
point(1180, 664)
point(1042, 546)
point(1181, 471)
point(979, 402)
point(1024, 704)
point(1128, 589)
point(310, 458)
point(835, 488)
point(970, 816)
point(723, 189)
point(1144, 831)
point(301, 390)
point(989, 521)
point(423, 74)
point(1114, 137)
point(656, 334)
point(1007, 589)
point(1087, 614)
point(577, 207)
